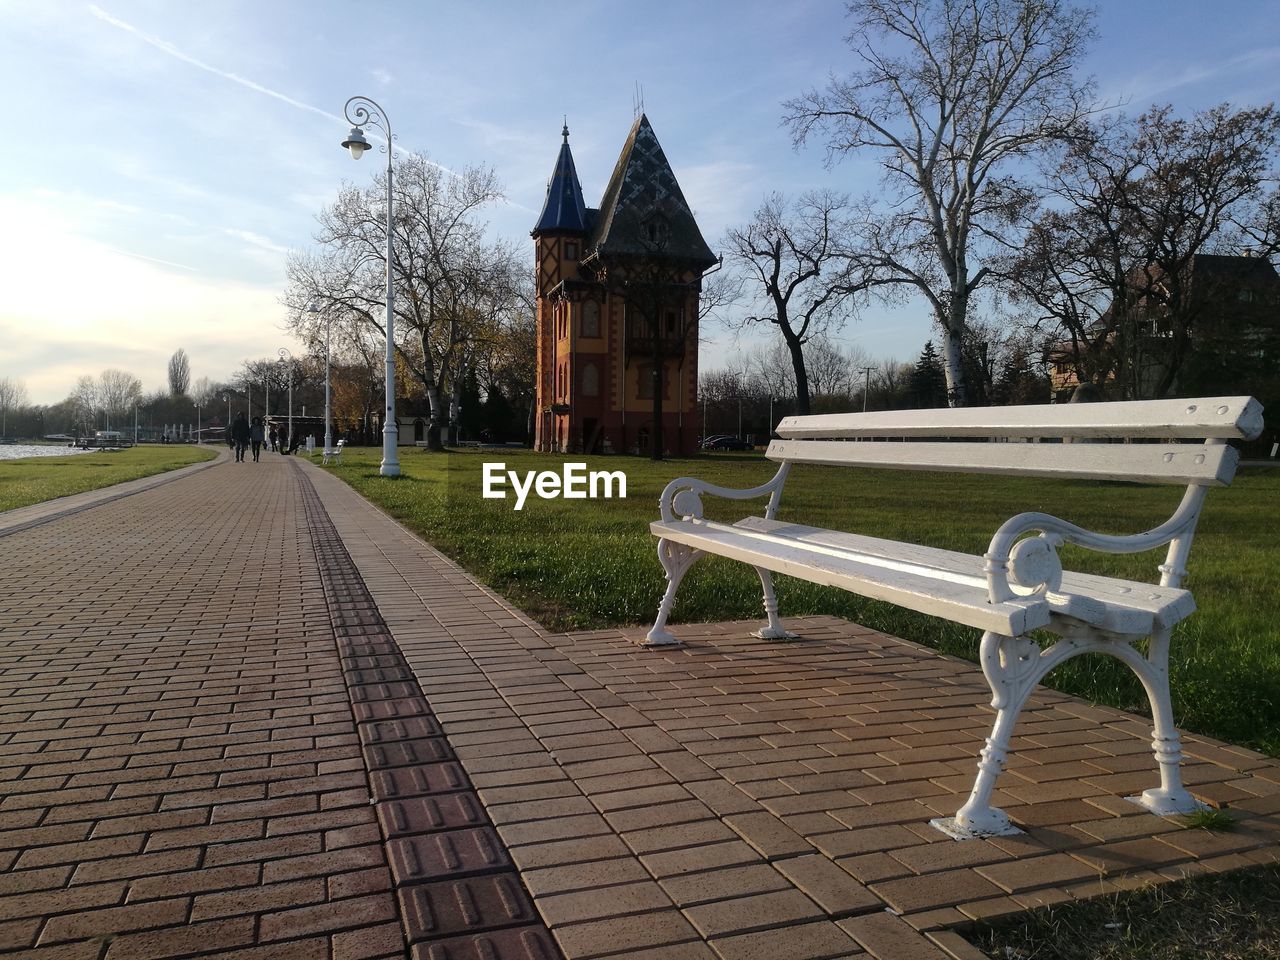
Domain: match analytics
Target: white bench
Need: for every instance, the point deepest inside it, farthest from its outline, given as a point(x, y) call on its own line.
point(334, 455)
point(1018, 585)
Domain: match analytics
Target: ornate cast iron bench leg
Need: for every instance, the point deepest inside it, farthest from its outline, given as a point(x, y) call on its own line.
point(676, 560)
point(773, 630)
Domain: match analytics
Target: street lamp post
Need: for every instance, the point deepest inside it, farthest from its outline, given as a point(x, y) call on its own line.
point(361, 111)
point(197, 424)
point(866, 386)
point(328, 436)
point(286, 361)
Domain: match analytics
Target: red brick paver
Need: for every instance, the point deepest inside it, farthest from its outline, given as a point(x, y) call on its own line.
point(778, 795)
point(181, 771)
point(247, 715)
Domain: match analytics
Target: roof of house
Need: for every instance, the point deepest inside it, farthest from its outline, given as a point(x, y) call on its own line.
point(564, 209)
point(643, 211)
point(1229, 267)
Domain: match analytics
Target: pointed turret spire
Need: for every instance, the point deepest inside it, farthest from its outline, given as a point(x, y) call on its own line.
point(644, 210)
point(564, 209)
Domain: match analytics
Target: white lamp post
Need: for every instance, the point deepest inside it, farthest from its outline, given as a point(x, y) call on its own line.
point(328, 437)
point(197, 424)
point(361, 111)
point(286, 361)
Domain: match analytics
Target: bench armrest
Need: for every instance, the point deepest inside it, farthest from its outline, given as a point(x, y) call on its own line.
point(1032, 564)
point(682, 497)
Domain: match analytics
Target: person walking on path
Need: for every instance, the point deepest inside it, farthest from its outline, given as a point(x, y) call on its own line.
point(240, 435)
point(256, 434)
point(273, 436)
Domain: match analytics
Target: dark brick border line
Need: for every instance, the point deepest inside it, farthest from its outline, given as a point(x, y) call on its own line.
point(169, 476)
point(459, 894)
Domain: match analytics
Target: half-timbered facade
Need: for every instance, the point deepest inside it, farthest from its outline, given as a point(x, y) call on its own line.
point(617, 309)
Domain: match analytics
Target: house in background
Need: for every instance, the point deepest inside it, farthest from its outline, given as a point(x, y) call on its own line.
point(1225, 341)
point(617, 307)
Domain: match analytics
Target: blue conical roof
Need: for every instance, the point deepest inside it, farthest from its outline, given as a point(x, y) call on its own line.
point(564, 209)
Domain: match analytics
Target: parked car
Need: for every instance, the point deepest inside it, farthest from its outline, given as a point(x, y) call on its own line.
point(727, 443)
point(706, 442)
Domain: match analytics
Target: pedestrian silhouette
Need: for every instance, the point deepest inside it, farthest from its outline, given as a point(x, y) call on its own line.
point(240, 435)
point(255, 437)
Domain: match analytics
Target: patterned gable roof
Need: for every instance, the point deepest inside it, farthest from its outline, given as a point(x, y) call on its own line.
point(643, 211)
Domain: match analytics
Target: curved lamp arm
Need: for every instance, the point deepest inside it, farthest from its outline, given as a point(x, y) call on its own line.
point(364, 111)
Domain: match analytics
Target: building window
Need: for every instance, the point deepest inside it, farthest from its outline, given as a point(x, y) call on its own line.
point(590, 381)
point(571, 250)
point(672, 320)
point(591, 319)
point(644, 382)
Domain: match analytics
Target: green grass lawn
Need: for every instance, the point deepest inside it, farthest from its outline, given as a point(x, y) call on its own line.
point(36, 479)
point(1233, 916)
point(592, 563)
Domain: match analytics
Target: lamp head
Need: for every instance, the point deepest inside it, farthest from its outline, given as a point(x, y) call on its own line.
point(356, 143)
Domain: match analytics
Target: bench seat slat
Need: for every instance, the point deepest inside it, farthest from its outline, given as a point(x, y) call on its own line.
point(933, 595)
point(1132, 607)
point(1201, 418)
point(1205, 465)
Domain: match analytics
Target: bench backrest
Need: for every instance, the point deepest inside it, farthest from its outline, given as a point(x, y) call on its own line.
point(958, 440)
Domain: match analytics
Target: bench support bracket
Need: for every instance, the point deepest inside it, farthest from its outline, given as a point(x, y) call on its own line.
point(676, 559)
point(1013, 666)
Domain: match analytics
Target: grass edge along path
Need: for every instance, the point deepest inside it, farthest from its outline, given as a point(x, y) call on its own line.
point(32, 480)
point(1230, 916)
point(585, 564)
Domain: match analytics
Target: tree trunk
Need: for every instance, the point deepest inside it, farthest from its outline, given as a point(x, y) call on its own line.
point(659, 384)
point(801, 373)
point(952, 349)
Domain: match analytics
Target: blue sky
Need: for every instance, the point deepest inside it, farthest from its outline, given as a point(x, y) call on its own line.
point(163, 157)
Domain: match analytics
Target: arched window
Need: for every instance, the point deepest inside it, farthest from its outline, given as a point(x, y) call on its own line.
point(591, 319)
point(590, 381)
point(418, 426)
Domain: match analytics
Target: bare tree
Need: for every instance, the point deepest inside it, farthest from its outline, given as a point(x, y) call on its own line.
point(204, 391)
point(1115, 267)
point(805, 282)
point(179, 373)
point(85, 403)
point(952, 94)
point(118, 391)
point(13, 395)
point(443, 264)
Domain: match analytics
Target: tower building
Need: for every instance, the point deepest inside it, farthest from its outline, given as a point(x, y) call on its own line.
point(617, 309)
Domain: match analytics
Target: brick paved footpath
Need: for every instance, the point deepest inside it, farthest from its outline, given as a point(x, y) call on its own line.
point(188, 674)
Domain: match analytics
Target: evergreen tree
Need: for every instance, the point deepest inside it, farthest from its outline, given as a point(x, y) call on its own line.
point(500, 419)
point(471, 414)
point(928, 381)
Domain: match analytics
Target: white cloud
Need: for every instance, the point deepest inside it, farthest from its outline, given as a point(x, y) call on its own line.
point(92, 306)
point(166, 47)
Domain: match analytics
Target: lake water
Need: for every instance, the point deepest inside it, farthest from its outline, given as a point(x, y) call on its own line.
point(18, 451)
